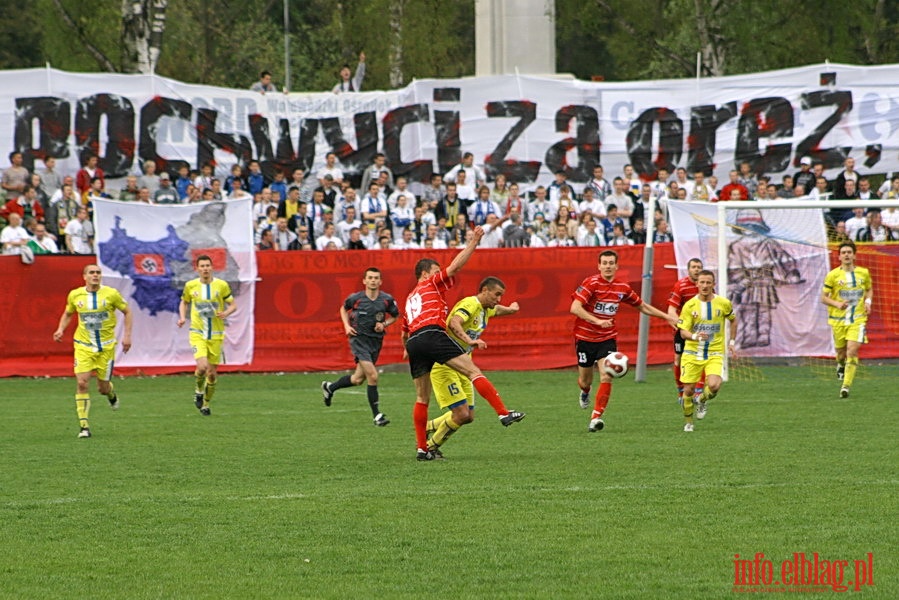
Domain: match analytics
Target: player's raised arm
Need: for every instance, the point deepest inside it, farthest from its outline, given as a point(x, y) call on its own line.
point(462, 258)
point(506, 310)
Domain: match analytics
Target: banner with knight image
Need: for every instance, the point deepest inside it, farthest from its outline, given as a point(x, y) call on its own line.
point(148, 253)
point(776, 264)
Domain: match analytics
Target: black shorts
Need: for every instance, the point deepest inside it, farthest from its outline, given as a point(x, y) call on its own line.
point(590, 352)
point(366, 347)
point(430, 345)
point(678, 343)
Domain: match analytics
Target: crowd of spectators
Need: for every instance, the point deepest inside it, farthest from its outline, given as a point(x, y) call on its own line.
point(49, 212)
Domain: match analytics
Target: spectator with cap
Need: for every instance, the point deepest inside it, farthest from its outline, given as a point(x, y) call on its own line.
point(804, 176)
point(166, 194)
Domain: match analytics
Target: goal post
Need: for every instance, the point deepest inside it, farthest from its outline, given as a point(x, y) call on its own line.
point(722, 223)
point(771, 257)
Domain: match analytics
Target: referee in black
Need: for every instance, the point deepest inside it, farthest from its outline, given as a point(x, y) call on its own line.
point(366, 315)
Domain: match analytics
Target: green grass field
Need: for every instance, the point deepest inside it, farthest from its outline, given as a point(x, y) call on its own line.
point(276, 496)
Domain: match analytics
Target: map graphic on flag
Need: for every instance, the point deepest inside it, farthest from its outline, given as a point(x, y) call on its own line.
point(148, 253)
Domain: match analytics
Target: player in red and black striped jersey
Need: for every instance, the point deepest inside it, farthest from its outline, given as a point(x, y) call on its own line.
point(595, 304)
point(683, 290)
point(426, 340)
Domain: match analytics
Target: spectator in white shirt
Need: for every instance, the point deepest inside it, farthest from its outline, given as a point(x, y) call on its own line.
point(80, 234)
point(621, 200)
point(482, 208)
point(437, 240)
point(284, 237)
point(329, 236)
point(542, 205)
point(493, 232)
point(331, 168)
point(856, 223)
point(474, 175)
point(600, 186)
point(14, 237)
point(618, 236)
point(464, 190)
point(368, 236)
point(588, 233)
point(406, 241)
point(591, 204)
point(699, 190)
point(374, 205)
point(401, 216)
point(348, 199)
point(402, 189)
point(555, 188)
point(42, 243)
point(348, 223)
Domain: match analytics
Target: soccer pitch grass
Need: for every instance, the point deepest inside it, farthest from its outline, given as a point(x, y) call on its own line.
point(277, 496)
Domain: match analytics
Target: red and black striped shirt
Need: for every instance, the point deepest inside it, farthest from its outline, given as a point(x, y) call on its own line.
point(426, 305)
point(601, 298)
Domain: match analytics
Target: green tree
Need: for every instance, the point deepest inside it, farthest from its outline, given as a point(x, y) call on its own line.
point(20, 38)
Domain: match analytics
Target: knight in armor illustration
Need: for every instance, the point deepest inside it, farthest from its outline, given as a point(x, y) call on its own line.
point(757, 265)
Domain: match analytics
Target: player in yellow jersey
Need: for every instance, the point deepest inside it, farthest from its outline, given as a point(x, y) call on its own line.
point(210, 303)
point(455, 392)
point(848, 295)
point(95, 342)
point(702, 325)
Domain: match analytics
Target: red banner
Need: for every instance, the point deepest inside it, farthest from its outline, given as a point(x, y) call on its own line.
point(299, 295)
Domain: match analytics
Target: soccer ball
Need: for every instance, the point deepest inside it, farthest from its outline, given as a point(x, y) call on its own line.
point(615, 364)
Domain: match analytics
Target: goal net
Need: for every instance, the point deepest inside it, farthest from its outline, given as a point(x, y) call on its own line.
point(771, 258)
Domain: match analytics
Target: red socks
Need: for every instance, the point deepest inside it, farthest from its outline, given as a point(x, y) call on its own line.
point(602, 399)
point(420, 420)
point(489, 393)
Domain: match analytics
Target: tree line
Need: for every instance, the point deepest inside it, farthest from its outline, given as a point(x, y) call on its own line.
point(226, 43)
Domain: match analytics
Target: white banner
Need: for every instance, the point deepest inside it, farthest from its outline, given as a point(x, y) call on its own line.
point(525, 127)
point(777, 261)
point(148, 253)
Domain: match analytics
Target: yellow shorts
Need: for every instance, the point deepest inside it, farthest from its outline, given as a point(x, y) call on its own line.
point(691, 367)
point(88, 361)
point(856, 332)
point(208, 349)
point(450, 387)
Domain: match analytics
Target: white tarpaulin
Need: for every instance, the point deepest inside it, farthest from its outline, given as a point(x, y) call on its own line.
point(148, 253)
point(776, 264)
point(525, 127)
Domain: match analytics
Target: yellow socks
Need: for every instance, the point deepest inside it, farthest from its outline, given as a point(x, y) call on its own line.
point(83, 406)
